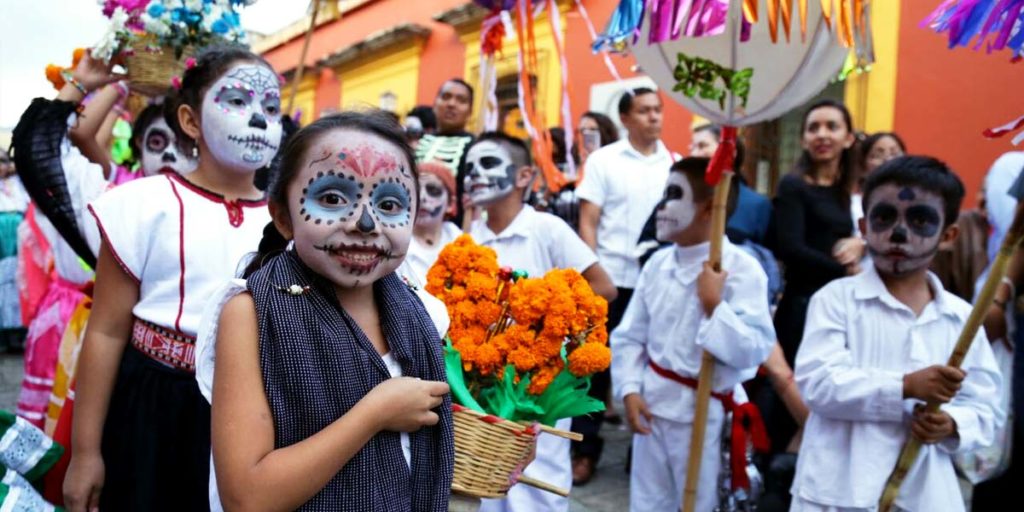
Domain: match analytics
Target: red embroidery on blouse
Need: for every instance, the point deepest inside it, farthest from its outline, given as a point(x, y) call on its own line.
point(236, 215)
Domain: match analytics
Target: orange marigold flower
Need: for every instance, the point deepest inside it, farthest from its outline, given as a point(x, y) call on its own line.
point(523, 359)
point(487, 359)
point(541, 379)
point(589, 358)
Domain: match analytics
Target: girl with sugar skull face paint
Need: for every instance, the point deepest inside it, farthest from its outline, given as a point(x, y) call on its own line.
point(329, 312)
point(431, 231)
point(159, 148)
point(139, 352)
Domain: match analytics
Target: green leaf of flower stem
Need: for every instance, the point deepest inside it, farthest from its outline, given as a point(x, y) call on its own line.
point(457, 379)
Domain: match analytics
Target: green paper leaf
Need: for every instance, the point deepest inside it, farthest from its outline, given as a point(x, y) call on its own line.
point(457, 379)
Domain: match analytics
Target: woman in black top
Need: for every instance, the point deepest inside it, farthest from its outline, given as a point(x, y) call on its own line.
point(813, 221)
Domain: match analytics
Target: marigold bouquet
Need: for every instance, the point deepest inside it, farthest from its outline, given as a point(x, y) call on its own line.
point(519, 348)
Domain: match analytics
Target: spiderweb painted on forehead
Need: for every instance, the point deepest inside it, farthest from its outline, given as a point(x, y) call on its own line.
point(257, 76)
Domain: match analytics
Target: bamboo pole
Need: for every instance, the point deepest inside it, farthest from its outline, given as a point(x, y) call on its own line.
point(302, 57)
point(707, 361)
point(981, 306)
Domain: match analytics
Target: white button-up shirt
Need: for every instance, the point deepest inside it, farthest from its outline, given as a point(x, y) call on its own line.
point(627, 186)
point(535, 242)
point(665, 323)
point(858, 344)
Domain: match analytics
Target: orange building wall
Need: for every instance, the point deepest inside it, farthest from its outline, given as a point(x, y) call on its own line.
point(444, 57)
point(946, 98)
point(586, 69)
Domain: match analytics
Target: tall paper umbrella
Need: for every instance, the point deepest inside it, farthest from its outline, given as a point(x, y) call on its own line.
point(768, 79)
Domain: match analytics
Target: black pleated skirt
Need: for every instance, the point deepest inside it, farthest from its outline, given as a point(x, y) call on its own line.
point(156, 440)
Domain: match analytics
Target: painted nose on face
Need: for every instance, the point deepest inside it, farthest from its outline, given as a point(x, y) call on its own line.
point(258, 121)
point(169, 158)
point(899, 235)
point(365, 223)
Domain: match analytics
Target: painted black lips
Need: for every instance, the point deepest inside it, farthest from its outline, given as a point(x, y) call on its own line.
point(254, 142)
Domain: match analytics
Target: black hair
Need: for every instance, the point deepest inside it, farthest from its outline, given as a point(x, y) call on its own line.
point(924, 172)
point(457, 80)
point(517, 149)
point(626, 101)
point(605, 125)
point(146, 117)
point(694, 169)
point(211, 63)
point(847, 165)
point(869, 142)
point(741, 149)
point(558, 150)
point(426, 116)
point(374, 122)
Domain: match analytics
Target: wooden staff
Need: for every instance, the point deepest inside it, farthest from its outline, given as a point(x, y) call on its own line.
point(302, 57)
point(707, 361)
point(981, 306)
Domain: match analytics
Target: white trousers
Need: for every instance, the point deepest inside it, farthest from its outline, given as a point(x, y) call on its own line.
point(801, 505)
point(659, 467)
point(553, 465)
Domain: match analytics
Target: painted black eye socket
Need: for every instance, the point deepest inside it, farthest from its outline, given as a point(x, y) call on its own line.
point(673, 192)
point(433, 190)
point(157, 141)
point(490, 162)
point(883, 216)
point(923, 220)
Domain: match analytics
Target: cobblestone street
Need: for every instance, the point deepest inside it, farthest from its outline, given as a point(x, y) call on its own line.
point(607, 492)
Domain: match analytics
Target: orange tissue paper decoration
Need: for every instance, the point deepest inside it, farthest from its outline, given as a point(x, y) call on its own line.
point(53, 71)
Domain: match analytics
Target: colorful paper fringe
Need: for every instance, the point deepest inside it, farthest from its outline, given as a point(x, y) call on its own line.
point(1012, 126)
point(672, 19)
point(997, 24)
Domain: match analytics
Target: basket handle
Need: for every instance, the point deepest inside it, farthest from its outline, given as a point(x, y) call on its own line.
point(544, 486)
point(564, 434)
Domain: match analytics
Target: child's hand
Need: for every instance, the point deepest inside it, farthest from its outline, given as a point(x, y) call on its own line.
point(636, 408)
point(83, 482)
point(936, 383)
point(94, 73)
point(932, 427)
point(849, 251)
point(405, 404)
point(710, 284)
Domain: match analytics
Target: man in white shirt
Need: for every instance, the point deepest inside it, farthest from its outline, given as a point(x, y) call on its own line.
point(874, 350)
point(622, 183)
point(498, 173)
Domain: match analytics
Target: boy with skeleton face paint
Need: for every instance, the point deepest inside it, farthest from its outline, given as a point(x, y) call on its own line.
point(874, 350)
point(681, 306)
point(498, 173)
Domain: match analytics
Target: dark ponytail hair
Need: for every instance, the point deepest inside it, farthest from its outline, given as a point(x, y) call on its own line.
point(847, 164)
point(211, 63)
point(374, 122)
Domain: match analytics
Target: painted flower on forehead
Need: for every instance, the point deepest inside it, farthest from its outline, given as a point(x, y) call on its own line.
point(366, 162)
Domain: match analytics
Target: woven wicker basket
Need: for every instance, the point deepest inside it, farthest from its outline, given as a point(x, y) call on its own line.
point(152, 67)
point(490, 453)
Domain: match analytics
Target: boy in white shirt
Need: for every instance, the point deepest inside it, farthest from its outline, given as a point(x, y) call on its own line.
point(874, 350)
point(681, 307)
point(498, 175)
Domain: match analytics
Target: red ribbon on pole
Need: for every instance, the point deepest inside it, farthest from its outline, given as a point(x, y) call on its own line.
point(724, 158)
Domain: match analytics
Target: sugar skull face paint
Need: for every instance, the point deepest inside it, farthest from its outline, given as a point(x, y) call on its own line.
point(241, 117)
point(676, 210)
point(433, 201)
point(160, 152)
point(351, 207)
point(491, 173)
point(904, 228)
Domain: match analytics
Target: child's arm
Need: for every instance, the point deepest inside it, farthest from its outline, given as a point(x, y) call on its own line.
point(629, 349)
point(110, 325)
point(95, 121)
point(600, 282)
point(250, 472)
point(738, 332)
point(831, 385)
